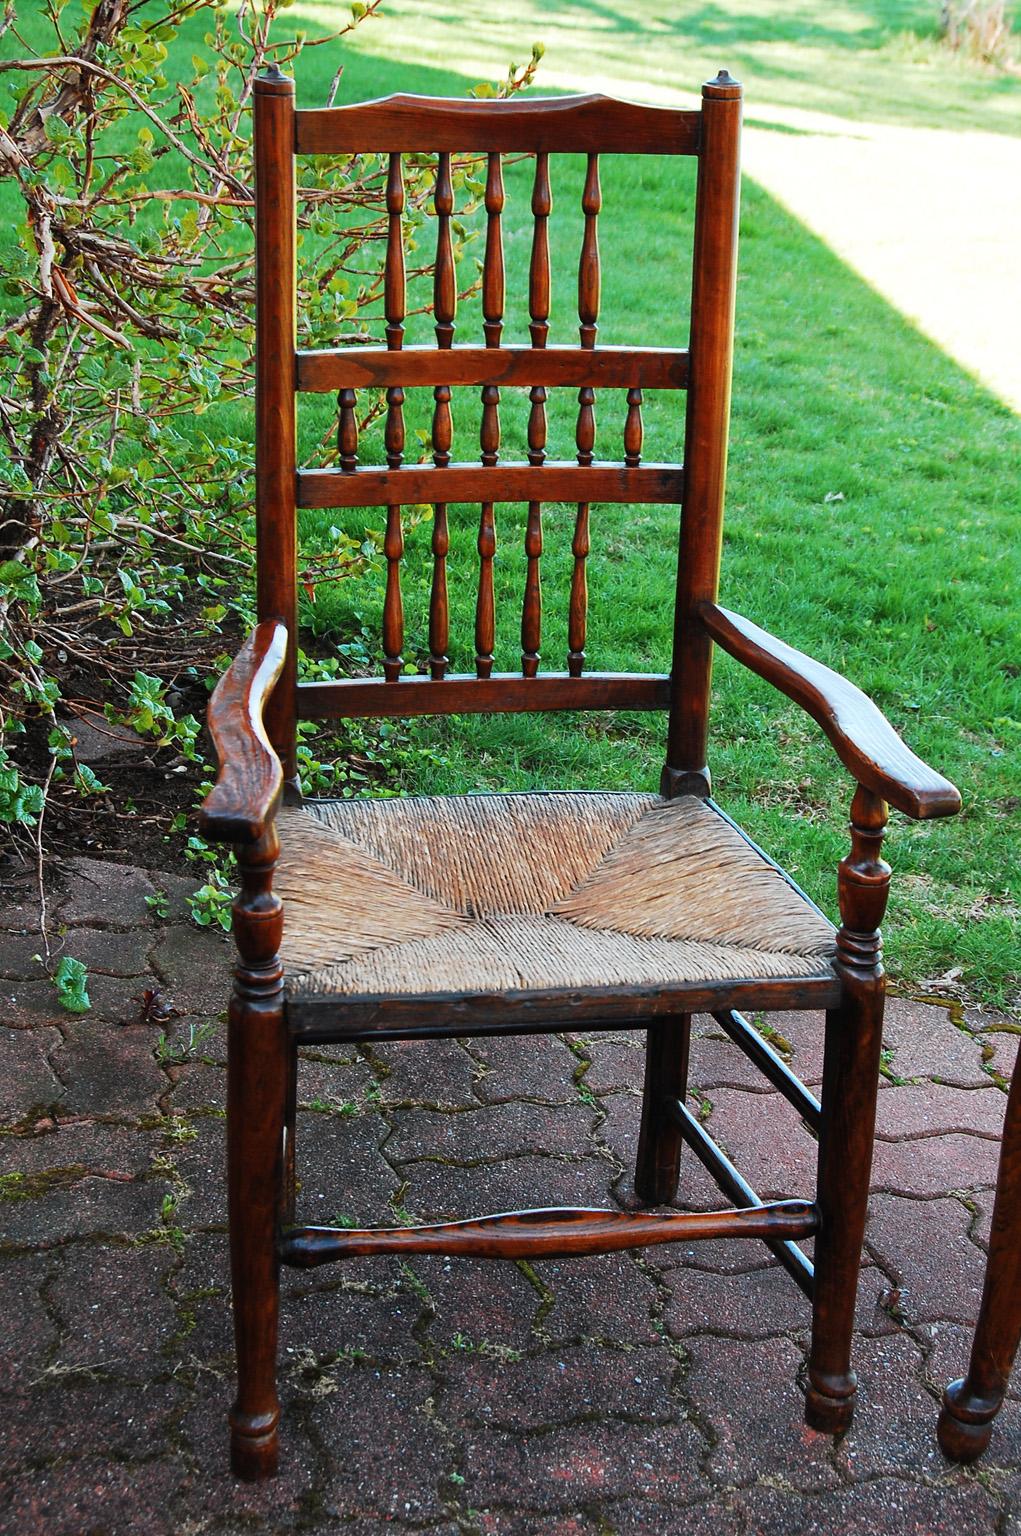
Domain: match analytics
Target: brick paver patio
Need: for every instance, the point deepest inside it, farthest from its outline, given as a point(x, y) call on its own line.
point(647, 1393)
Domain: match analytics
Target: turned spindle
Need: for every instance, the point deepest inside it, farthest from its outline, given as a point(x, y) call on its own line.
point(347, 434)
point(633, 429)
point(539, 273)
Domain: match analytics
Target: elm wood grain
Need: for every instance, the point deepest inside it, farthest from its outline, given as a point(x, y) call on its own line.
point(423, 367)
point(347, 431)
point(485, 610)
point(250, 780)
point(493, 279)
point(322, 1019)
point(275, 414)
point(577, 618)
point(539, 269)
point(258, 1052)
point(553, 1233)
point(658, 1160)
point(463, 694)
point(736, 1187)
point(444, 282)
point(707, 427)
point(531, 607)
point(864, 739)
point(394, 282)
point(970, 1406)
point(552, 481)
point(393, 603)
point(634, 430)
point(567, 124)
point(771, 1065)
point(589, 274)
point(854, 1038)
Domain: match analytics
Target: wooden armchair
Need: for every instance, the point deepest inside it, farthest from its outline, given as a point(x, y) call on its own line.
point(518, 913)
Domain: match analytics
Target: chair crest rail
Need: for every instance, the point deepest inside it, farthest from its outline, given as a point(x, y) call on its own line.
point(565, 124)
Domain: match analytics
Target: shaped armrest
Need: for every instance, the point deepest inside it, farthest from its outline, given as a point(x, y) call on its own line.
point(248, 787)
point(864, 739)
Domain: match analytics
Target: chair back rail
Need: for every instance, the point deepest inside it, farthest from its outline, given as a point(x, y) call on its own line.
point(544, 129)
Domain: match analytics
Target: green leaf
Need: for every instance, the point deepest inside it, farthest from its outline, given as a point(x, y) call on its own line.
point(71, 980)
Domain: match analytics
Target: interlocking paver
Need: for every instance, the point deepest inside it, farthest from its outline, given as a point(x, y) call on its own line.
point(106, 894)
point(109, 1069)
point(924, 1042)
point(745, 1394)
point(559, 1386)
point(933, 1109)
point(540, 1067)
point(96, 1295)
point(934, 1164)
point(924, 1245)
point(568, 1468)
point(893, 1422)
point(28, 1330)
point(629, 1393)
point(388, 1453)
point(502, 1130)
point(28, 1082)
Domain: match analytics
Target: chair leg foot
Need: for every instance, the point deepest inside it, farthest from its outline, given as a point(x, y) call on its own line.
point(965, 1423)
point(657, 1166)
point(254, 1446)
point(831, 1412)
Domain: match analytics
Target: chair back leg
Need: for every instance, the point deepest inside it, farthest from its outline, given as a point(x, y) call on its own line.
point(657, 1166)
point(971, 1405)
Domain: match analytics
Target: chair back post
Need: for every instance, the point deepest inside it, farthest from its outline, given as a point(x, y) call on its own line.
point(711, 349)
point(275, 415)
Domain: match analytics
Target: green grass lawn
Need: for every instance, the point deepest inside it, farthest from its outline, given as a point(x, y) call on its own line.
point(874, 59)
point(874, 487)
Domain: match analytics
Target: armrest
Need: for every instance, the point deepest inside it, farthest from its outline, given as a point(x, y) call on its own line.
point(865, 741)
point(250, 781)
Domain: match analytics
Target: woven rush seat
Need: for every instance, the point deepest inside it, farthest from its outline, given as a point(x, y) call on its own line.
point(532, 892)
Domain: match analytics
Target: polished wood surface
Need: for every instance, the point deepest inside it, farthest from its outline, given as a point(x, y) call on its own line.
point(706, 432)
point(423, 367)
point(275, 413)
point(505, 693)
point(549, 481)
point(250, 779)
point(865, 741)
point(853, 1041)
point(970, 1406)
point(324, 1018)
point(266, 1027)
point(567, 124)
point(257, 1077)
point(550, 1234)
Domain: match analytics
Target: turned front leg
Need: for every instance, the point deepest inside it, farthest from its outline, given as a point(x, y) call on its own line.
point(257, 1078)
point(971, 1405)
point(854, 1037)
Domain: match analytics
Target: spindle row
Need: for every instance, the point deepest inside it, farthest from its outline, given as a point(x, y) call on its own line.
point(441, 436)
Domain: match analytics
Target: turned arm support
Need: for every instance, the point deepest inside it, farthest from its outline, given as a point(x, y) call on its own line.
point(243, 801)
point(864, 739)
